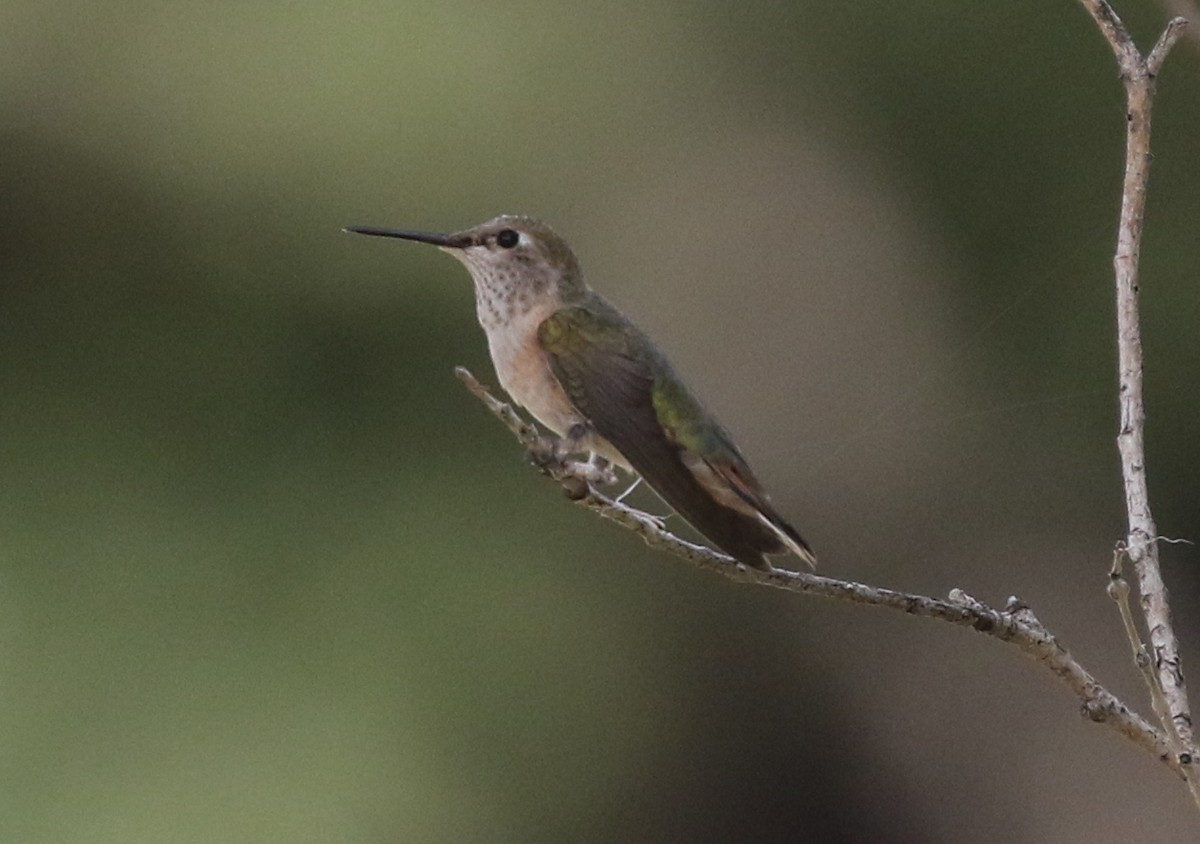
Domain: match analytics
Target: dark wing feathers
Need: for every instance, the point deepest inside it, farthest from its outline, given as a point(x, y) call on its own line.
point(604, 364)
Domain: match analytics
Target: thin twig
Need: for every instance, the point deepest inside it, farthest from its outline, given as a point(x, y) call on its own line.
point(1176, 27)
point(1015, 624)
point(1138, 74)
point(1187, 10)
point(1118, 590)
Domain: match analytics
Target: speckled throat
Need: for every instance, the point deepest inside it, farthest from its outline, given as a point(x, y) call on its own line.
point(507, 292)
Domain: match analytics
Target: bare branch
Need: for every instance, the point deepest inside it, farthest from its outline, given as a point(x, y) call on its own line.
point(1175, 28)
point(1187, 10)
point(1115, 33)
point(1118, 590)
point(1015, 624)
point(1138, 74)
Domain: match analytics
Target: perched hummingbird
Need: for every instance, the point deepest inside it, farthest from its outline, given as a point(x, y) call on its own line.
point(590, 375)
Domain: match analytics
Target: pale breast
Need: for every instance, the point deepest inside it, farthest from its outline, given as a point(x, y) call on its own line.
point(525, 374)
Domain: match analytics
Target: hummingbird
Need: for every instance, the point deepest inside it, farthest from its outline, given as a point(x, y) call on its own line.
point(587, 373)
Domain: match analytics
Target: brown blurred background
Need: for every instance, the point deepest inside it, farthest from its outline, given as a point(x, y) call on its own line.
point(267, 573)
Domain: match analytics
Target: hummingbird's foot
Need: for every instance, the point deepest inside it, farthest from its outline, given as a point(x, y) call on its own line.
point(660, 522)
point(596, 471)
point(551, 456)
point(557, 449)
point(601, 471)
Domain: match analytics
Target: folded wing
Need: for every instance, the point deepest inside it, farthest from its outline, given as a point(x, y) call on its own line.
point(630, 395)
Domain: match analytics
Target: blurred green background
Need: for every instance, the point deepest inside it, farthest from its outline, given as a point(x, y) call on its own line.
point(268, 573)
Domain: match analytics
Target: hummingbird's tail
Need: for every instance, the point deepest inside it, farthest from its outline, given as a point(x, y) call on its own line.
point(789, 537)
point(741, 492)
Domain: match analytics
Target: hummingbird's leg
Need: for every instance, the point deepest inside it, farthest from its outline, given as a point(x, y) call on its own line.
point(603, 469)
point(556, 451)
point(600, 472)
point(574, 439)
point(596, 469)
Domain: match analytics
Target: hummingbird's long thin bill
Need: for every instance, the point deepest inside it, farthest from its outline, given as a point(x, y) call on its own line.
point(421, 237)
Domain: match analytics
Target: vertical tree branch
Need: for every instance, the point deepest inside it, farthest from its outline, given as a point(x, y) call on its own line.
point(1141, 540)
point(1138, 74)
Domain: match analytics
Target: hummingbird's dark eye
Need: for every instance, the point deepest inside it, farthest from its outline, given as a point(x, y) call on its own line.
point(507, 238)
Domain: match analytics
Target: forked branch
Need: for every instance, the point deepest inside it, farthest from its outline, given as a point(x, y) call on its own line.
point(1165, 679)
point(1173, 742)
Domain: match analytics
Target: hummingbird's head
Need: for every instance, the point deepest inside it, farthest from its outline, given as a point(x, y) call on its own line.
point(514, 261)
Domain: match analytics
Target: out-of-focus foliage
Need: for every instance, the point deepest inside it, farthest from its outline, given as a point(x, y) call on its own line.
point(268, 574)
